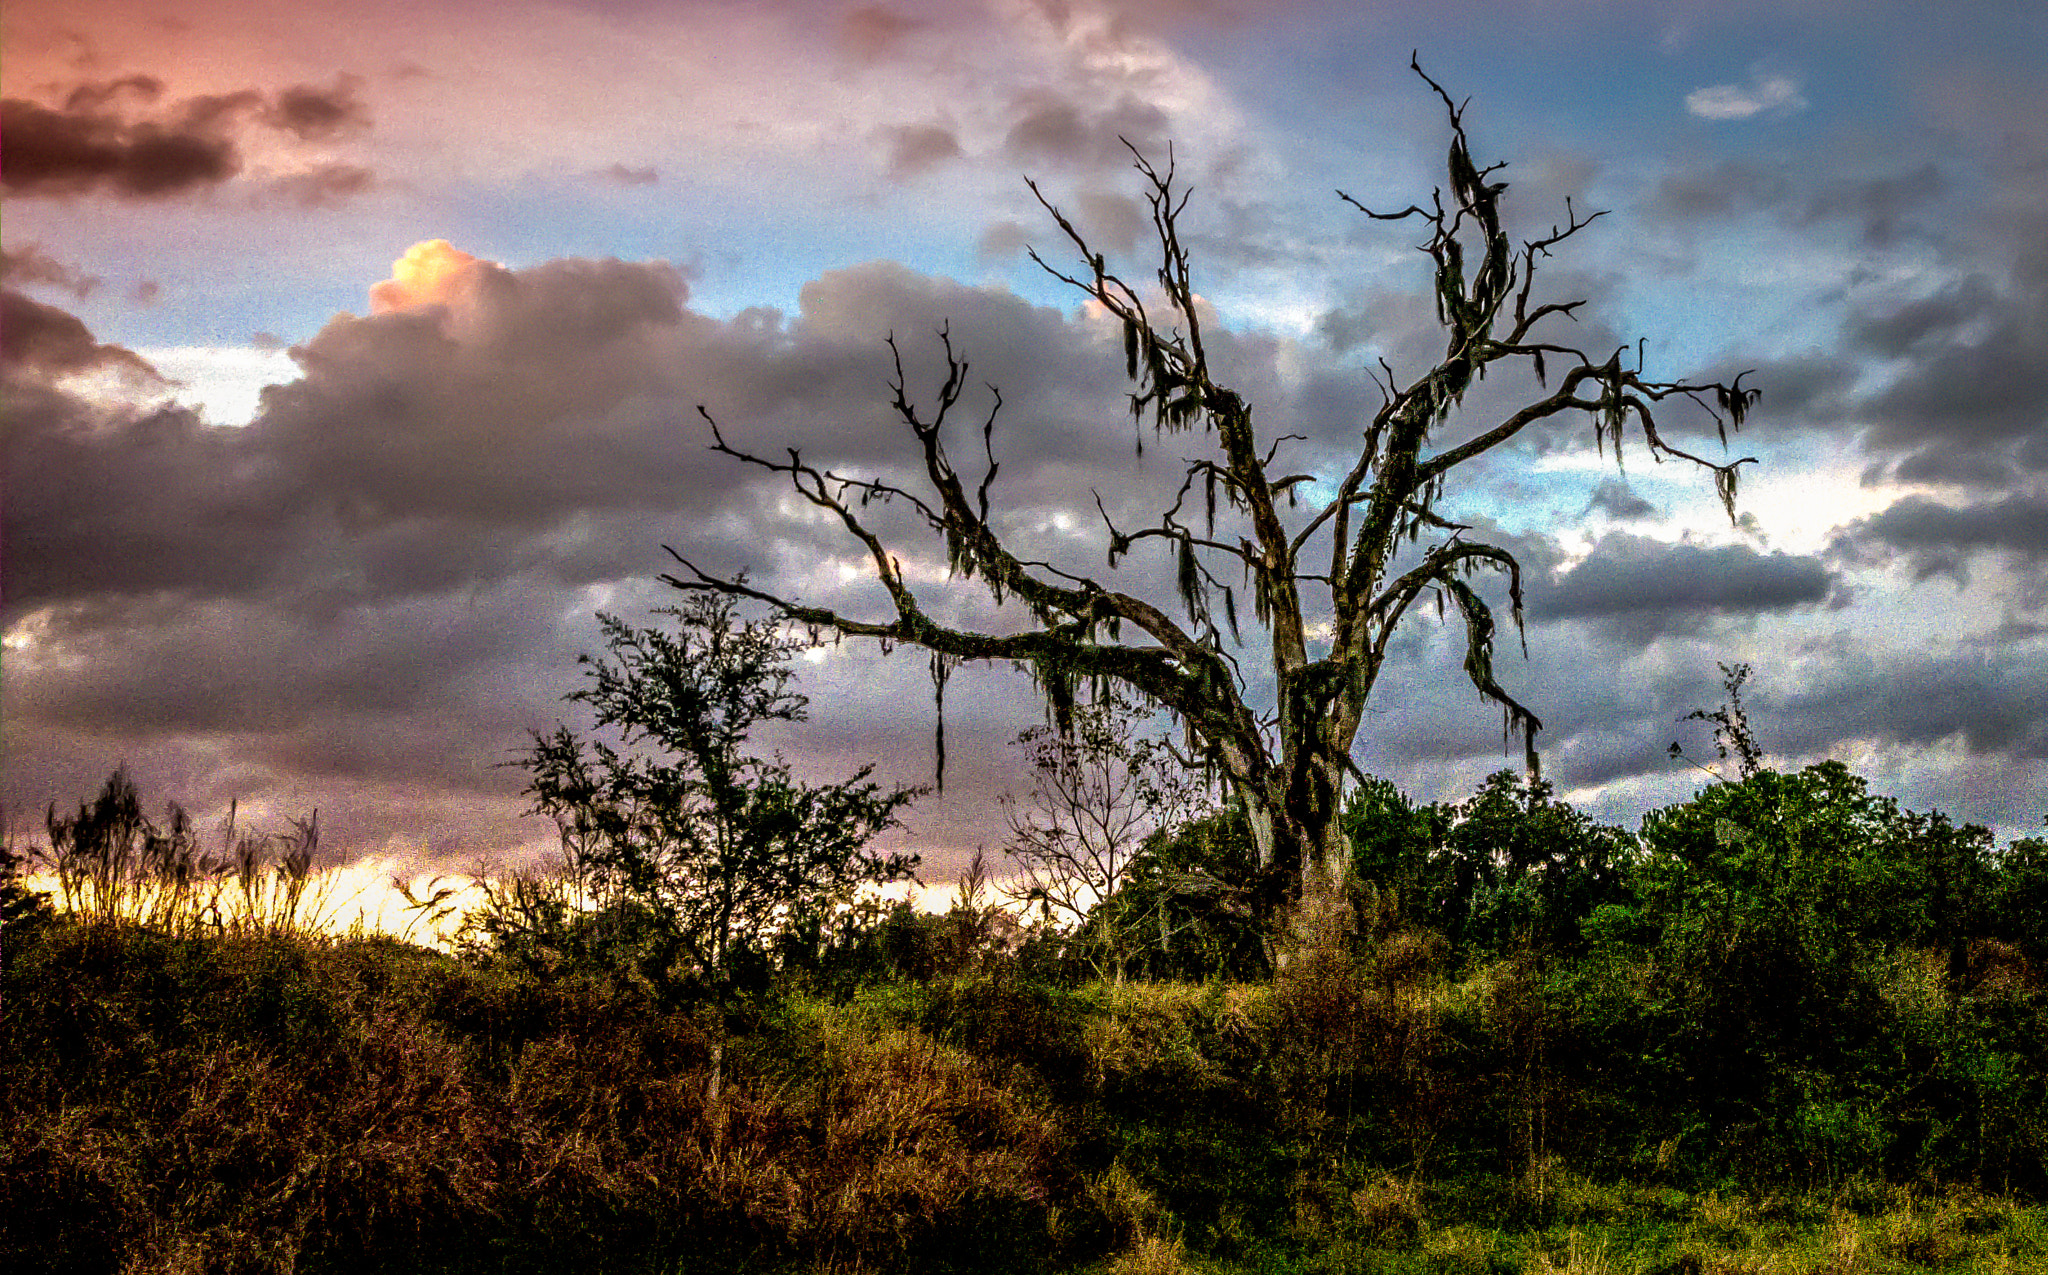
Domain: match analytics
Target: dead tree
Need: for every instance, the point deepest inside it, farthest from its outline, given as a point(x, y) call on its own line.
point(1287, 767)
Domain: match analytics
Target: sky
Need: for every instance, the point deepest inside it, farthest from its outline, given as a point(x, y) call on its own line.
point(353, 351)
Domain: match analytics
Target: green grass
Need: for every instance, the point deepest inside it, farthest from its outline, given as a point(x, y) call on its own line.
point(273, 1101)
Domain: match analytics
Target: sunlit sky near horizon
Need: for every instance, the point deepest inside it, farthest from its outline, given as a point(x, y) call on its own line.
point(352, 352)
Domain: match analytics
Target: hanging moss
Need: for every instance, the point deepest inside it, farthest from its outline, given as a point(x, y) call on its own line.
point(1188, 577)
point(942, 672)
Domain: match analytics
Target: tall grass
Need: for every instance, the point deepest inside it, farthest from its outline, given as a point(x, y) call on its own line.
point(113, 864)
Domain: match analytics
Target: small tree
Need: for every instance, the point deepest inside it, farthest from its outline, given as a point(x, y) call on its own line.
point(1098, 790)
point(1330, 584)
point(715, 854)
point(1732, 735)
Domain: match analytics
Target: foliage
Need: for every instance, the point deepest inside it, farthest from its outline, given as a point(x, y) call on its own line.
point(1510, 869)
point(700, 859)
point(1185, 907)
point(1740, 1042)
point(2016, 904)
point(879, 941)
point(23, 908)
point(1812, 859)
point(1343, 561)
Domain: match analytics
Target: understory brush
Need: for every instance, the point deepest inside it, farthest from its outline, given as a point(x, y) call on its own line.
point(220, 1101)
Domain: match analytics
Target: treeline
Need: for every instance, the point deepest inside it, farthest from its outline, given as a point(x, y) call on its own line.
point(1512, 1027)
point(1786, 980)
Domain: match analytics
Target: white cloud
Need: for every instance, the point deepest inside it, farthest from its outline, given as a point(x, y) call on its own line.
point(1764, 94)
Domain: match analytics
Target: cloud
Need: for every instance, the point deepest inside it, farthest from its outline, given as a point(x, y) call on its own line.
point(1631, 577)
point(383, 578)
point(42, 343)
point(1050, 128)
point(56, 153)
point(1882, 205)
point(872, 31)
point(917, 148)
point(1935, 537)
point(628, 176)
point(1617, 500)
point(315, 114)
point(94, 96)
point(433, 272)
point(1765, 93)
point(327, 186)
point(1974, 382)
point(90, 144)
point(32, 267)
point(1926, 322)
point(1002, 241)
point(1989, 701)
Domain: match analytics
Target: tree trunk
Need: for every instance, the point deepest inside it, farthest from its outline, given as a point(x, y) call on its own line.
point(1303, 853)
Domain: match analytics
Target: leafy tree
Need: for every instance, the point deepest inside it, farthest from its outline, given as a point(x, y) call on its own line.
point(1184, 909)
point(704, 854)
point(1777, 902)
point(1508, 868)
point(1395, 844)
point(1812, 855)
point(2017, 906)
point(1329, 585)
point(1525, 869)
point(23, 908)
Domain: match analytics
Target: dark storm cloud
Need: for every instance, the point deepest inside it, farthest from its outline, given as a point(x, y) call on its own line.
point(1988, 700)
point(68, 153)
point(1002, 241)
point(94, 143)
point(1970, 396)
point(1719, 190)
point(1932, 320)
point(1944, 466)
point(1936, 538)
point(1947, 385)
point(316, 114)
point(328, 186)
point(1629, 576)
point(316, 590)
point(871, 31)
point(1612, 706)
point(1810, 389)
point(90, 96)
point(1881, 205)
point(1617, 500)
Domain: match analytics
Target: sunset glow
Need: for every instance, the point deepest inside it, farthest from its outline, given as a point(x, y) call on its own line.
point(431, 272)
